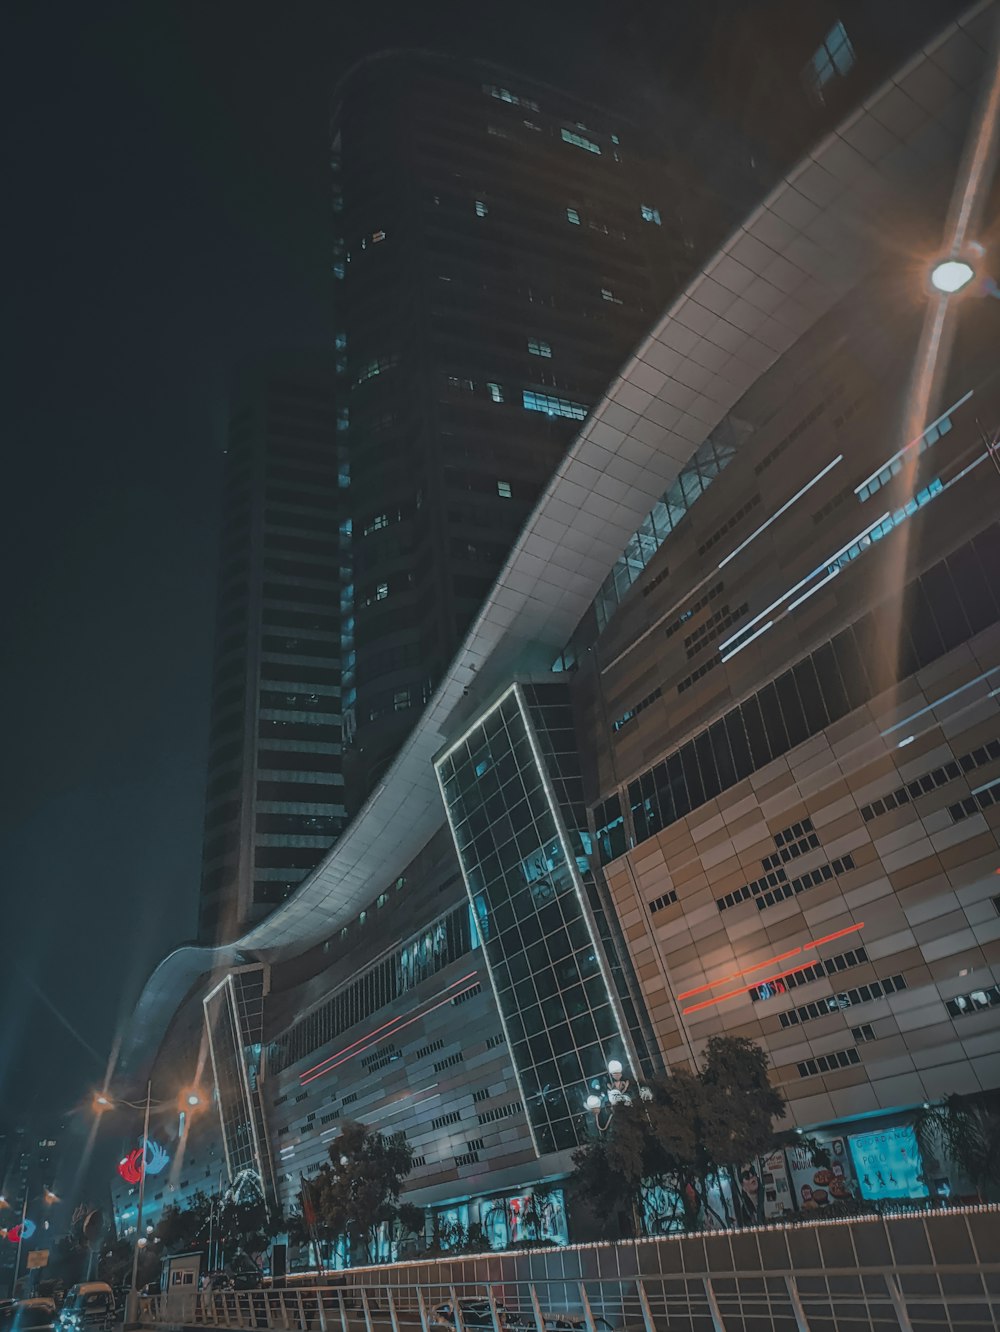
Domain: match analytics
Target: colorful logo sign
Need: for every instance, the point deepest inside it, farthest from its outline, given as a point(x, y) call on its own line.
point(22, 1231)
point(149, 1158)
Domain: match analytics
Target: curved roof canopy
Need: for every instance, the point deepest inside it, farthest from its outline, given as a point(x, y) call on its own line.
point(826, 225)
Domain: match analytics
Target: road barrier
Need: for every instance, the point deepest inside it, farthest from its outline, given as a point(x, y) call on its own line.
point(927, 1272)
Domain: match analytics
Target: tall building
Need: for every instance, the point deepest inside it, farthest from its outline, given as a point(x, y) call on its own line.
point(502, 247)
point(275, 795)
point(728, 761)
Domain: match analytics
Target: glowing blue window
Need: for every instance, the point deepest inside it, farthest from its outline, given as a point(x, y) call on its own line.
point(496, 392)
point(573, 216)
point(835, 55)
point(504, 490)
point(580, 141)
point(539, 348)
point(481, 209)
point(544, 402)
point(651, 214)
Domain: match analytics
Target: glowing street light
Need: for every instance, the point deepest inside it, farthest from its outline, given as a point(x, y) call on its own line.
point(949, 276)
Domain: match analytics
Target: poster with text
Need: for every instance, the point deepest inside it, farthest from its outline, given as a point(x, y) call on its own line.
point(887, 1163)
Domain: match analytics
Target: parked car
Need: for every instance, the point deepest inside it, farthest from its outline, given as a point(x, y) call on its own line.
point(38, 1315)
point(90, 1305)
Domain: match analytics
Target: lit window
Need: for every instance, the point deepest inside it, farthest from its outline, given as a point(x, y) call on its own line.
point(504, 490)
point(544, 402)
point(401, 700)
point(539, 348)
point(343, 418)
point(608, 295)
point(377, 236)
point(458, 382)
point(377, 367)
point(615, 138)
point(651, 214)
point(834, 56)
point(505, 95)
point(381, 592)
point(579, 141)
point(573, 216)
point(496, 392)
point(481, 209)
point(381, 900)
point(340, 341)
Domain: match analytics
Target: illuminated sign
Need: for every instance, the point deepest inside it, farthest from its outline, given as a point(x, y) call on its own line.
point(149, 1158)
point(887, 1163)
point(22, 1231)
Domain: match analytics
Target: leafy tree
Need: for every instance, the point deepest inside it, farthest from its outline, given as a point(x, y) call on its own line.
point(694, 1129)
point(739, 1111)
point(183, 1230)
point(357, 1193)
point(967, 1130)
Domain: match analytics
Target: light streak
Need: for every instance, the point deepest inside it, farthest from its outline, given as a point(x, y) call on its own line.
point(778, 512)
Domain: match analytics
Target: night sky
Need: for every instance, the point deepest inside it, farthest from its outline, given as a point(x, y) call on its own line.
point(166, 218)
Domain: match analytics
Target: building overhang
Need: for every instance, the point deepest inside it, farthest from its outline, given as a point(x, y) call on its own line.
point(827, 225)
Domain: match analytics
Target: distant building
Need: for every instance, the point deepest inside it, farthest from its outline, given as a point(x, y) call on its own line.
point(275, 794)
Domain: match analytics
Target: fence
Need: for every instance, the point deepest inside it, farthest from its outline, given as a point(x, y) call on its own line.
point(934, 1272)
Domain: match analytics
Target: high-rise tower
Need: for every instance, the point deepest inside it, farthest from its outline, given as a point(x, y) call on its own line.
point(275, 797)
point(502, 247)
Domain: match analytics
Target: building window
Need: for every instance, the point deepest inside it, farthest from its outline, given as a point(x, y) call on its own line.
point(481, 209)
point(512, 99)
point(539, 348)
point(608, 295)
point(579, 141)
point(381, 591)
point(401, 700)
point(834, 56)
point(651, 214)
point(573, 216)
point(544, 402)
point(504, 490)
point(496, 392)
point(459, 382)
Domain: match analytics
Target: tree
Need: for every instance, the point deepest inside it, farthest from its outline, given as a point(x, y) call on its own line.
point(357, 1193)
point(694, 1129)
point(740, 1109)
point(967, 1130)
point(182, 1230)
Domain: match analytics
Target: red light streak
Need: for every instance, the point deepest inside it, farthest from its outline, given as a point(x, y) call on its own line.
point(365, 1043)
point(745, 989)
point(323, 1062)
point(735, 975)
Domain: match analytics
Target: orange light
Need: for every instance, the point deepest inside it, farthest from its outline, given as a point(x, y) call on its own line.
point(745, 989)
point(735, 975)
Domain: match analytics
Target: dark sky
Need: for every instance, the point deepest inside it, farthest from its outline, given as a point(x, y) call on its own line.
point(165, 217)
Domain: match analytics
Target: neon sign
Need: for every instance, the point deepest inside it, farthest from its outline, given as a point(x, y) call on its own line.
point(22, 1231)
point(149, 1158)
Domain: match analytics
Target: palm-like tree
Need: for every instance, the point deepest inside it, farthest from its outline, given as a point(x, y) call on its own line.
point(967, 1130)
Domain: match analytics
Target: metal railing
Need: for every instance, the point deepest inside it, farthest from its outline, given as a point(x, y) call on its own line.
point(862, 1278)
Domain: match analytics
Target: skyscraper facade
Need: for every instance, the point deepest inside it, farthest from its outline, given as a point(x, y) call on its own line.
point(501, 247)
point(275, 797)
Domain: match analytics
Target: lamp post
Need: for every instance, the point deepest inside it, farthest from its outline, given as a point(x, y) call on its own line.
point(132, 1302)
point(618, 1093)
point(47, 1197)
point(188, 1100)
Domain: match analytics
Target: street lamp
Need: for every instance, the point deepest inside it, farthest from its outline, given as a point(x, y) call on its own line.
point(618, 1093)
point(949, 276)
